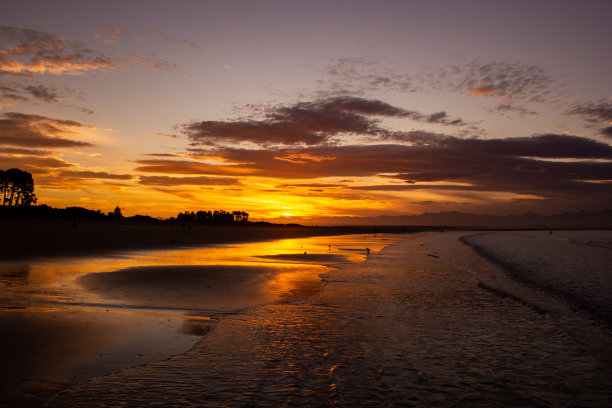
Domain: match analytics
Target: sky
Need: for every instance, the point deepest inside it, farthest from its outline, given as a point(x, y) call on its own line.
point(293, 110)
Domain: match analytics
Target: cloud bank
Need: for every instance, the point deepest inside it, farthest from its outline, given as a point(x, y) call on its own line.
point(309, 123)
point(19, 129)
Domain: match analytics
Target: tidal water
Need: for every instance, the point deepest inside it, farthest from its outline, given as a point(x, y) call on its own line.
point(66, 320)
point(426, 321)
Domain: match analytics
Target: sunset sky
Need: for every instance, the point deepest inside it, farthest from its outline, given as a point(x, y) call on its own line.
point(291, 110)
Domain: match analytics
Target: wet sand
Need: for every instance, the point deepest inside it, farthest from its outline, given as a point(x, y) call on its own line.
point(403, 329)
point(46, 349)
point(147, 314)
point(199, 287)
point(575, 266)
point(62, 325)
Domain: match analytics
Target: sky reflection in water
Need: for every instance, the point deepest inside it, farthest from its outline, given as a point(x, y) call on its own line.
point(291, 269)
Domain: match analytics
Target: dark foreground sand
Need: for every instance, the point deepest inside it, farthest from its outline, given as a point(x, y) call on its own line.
point(403, 329)
point(46, 349)
point(149, 314)
point(141, 314)
point(25, 238)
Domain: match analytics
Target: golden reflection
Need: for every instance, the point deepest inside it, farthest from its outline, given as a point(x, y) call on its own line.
point(292, 268)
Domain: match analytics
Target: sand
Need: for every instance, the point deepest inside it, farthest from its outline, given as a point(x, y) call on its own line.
point(46, 349)
point(573, 265)
point(62, 325)
point(410, 326)
point(199, 287)
point(401, 329)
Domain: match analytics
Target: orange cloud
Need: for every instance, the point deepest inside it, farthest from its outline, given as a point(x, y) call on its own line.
point(302, 158)
point(30, 52)
point(484, 91)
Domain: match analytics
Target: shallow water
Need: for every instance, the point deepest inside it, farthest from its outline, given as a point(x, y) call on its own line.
point(144, 306)
point(54, 280)
point(411, 326)
point(573, 265)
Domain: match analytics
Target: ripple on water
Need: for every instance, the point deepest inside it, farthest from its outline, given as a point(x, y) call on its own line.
point(402, 329)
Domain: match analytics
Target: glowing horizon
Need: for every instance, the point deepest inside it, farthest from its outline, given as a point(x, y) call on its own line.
point(308, 109)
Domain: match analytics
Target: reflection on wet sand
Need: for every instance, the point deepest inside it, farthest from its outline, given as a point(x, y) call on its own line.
point(202, 287)
point(74, 318)
point(403, 329)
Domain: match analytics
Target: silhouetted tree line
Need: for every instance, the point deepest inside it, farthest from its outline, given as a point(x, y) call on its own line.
point(17, 193)
point(17, 188)
point(48, 211)
point(214, 217)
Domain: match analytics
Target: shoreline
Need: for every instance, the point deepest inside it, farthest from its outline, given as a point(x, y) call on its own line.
point(28, 238)
point(420, 324)
point(138, 323)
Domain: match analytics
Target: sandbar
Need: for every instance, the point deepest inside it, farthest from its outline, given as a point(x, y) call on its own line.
point(204, 287)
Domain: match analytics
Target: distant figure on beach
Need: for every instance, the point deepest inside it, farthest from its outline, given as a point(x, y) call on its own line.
point(550, 232)
point(367, 251)
point(74, 224)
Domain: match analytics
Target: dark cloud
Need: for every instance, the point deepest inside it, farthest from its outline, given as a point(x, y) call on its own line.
point(504, 108)
point(15, 92)
point(188, 181)
point(29, 52)
point(598, 112)
point(309, 123)
point(510, 80)
point(607, 132)
point(154, 62)
point(33, 163)
point(546, 165)
point(163, 155)
point(189, 167)
point(359, 75)
point(42, 92)
point(85, 174)
point(310, 185)
point(11, 93)
point(18, 129)
point(545, 145)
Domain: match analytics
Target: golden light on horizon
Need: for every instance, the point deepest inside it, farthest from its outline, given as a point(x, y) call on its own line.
point(103, 115)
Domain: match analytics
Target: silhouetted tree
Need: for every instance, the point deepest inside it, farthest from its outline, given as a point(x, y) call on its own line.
point(17, 188)
point(203, 216)
point(216, 217)
point(222, 217)
point(117, 213)
point(240, 216)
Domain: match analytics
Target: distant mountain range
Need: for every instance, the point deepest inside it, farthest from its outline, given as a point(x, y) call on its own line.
point(582, 219)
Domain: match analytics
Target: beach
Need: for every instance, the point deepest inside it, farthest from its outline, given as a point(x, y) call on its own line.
point(419, 320)
point(69, 318)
